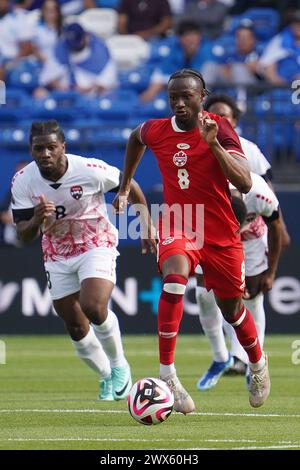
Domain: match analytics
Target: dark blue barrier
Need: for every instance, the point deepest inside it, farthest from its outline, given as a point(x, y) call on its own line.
point(25, 303)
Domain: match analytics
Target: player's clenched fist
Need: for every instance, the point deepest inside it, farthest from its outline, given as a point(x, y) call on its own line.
point(208, 128)
point(43, 210)
point(120, 202)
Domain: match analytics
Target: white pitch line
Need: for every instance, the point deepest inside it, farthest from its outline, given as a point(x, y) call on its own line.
point(248, 415)
point(267, 447)
point(86, 439)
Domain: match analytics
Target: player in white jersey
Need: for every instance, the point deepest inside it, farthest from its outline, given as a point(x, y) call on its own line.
point(224, 105)
point(261, 237)
point(62, 196)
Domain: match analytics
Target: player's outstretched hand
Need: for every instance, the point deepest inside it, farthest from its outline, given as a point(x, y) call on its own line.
point(208, 128)
point(120, 202)
point(43, 210)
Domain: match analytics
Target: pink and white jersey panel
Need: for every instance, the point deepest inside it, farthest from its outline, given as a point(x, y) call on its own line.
point(80, 222)
point(260, 201)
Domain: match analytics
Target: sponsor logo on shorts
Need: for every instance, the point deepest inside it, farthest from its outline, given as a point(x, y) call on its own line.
point(168, 240)
point(76, 192)
point(180, 158)
point(183, 146)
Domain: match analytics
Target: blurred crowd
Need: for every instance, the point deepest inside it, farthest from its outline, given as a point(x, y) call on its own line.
point(76, 44)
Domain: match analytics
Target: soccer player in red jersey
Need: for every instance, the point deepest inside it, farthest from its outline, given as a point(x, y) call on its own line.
point(198, 154)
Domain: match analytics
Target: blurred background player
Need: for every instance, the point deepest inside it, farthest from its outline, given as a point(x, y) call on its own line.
point(225, 106)
point(197, 176)
point(262, 246)
point(62, 196)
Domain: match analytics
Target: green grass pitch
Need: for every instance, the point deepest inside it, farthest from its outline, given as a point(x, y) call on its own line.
point(49, 400)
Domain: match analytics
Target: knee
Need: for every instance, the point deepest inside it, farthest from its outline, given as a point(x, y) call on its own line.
point(230, 308)
point(95, 311)
point(174, 286)
point(77, 331)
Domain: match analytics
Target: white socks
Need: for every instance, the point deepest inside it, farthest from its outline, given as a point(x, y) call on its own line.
point(165, 370)
point(211, 320)
point(91, 352)
point(256, 307)
point(108, 333)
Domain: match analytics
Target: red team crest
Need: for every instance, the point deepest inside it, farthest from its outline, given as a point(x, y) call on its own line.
point(76, 192)
point(180, 158)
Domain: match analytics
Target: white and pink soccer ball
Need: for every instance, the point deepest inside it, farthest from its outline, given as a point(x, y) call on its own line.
point(150, 401)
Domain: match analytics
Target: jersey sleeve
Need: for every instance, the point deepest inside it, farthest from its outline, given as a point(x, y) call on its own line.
point(228, 138)
point(108, 176)
point(145, 132)
point(257, 161)
point(265, 200)
point(21, 202)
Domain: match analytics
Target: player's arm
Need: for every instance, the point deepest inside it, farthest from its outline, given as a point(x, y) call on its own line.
point(274, 248)
point(285, 237)
point(134, 152)
point(232, 162)
point(148, 233)
point(29, 221)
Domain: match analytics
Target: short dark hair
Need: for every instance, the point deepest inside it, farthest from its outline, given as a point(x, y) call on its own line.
point(222, 98)
point(186, 26)
point(46, 128)
point(239, 209)
point(188, 73)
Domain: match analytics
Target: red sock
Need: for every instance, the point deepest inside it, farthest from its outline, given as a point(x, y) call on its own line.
point(170, 310)
point(246, 332)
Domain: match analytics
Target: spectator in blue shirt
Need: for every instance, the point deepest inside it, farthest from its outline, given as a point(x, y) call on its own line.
point(280, 63)
point(82, 62)
point(189, 51)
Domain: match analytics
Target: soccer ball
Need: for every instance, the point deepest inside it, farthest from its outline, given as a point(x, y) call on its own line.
point(150, 401)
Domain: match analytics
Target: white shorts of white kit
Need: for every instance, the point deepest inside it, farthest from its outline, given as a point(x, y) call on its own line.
point(65, 277)
point(256, 255)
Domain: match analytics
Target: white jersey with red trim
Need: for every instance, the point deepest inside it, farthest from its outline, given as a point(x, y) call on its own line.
point(260, 201)
point(80, 222)
point(256, 159)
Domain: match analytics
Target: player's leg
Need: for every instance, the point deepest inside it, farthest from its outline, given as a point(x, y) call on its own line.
point(235, 313)
point(64, 288)
point(256, 261)
point(85, 342)
point(225, 273)
point(255, 303)
point(211, 321)
point(175, 269)
point(96, 272)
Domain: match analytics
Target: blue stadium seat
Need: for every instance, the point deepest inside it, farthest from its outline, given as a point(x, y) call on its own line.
point(115, 107)
point(15, 136)
point(63, 106)
point(107, 3)
point(265, 21)
point(277, 102)
point(136, 79)
point(160, 49)
point(158, 108)
point(25, 75)
point(17, 106)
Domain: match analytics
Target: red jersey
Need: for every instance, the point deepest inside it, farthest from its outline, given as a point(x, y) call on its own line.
point(192, 175)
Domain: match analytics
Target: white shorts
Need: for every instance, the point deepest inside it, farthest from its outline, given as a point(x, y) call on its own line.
point(256, 256)
point(65, 277)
